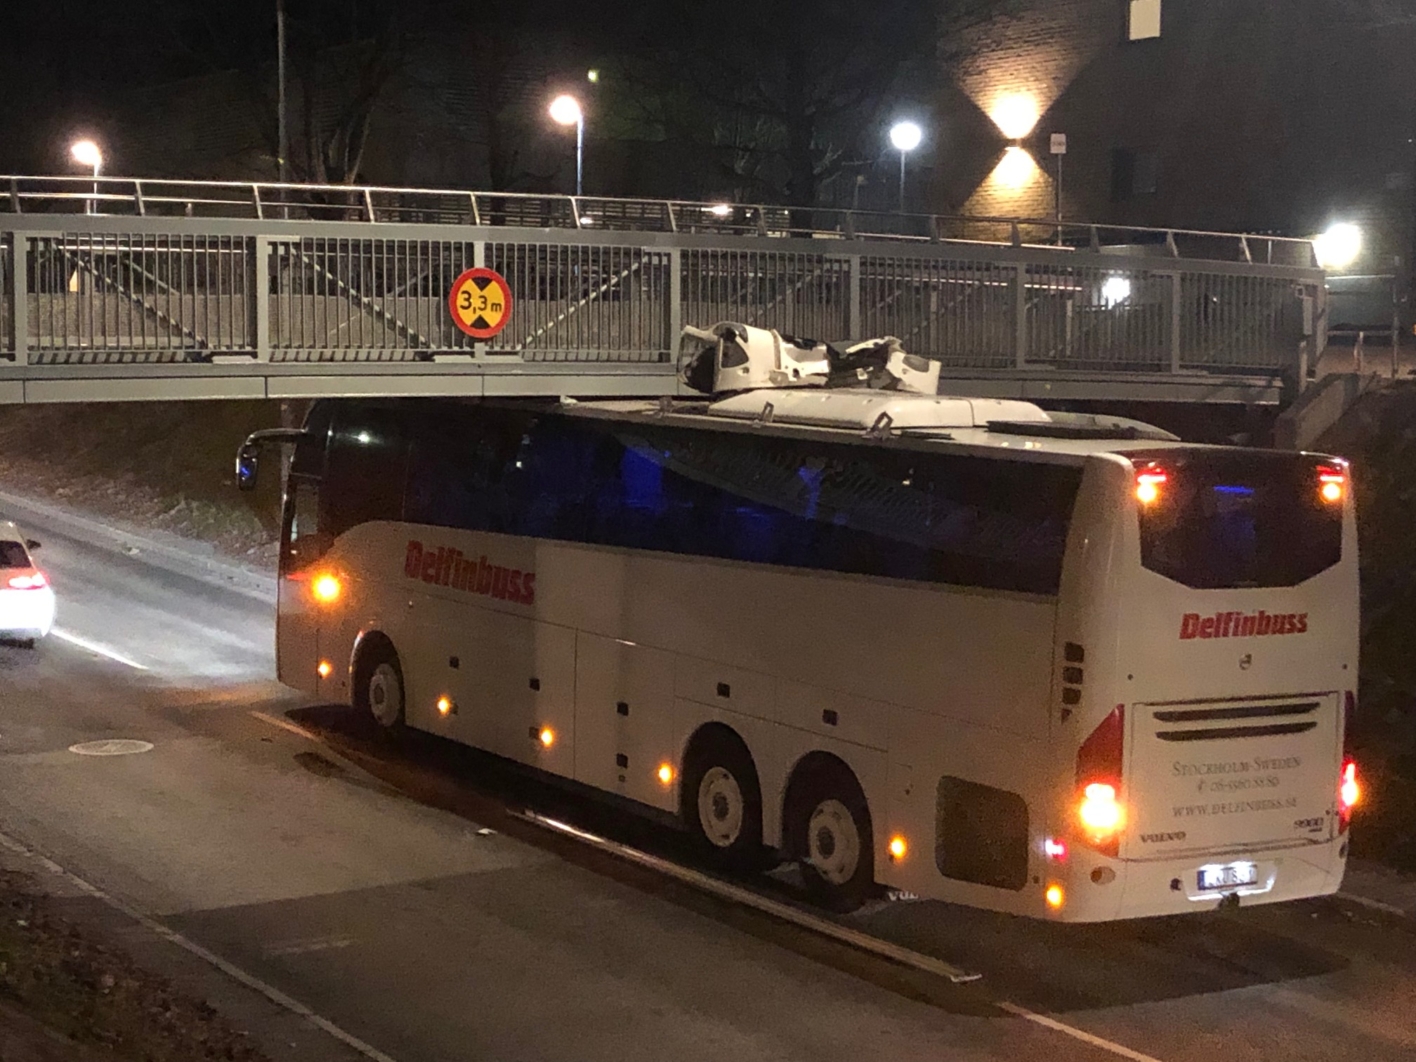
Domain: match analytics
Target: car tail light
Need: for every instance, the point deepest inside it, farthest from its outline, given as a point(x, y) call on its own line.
point(1101, 814)
point(37, 581)
point(1349, 789)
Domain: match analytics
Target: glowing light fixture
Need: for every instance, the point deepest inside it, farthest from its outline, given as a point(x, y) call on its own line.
point(1055, 896)
point(1148, 486)
point(904, 138)
point(547, 737)
point(1350, 791)
point(720, 210)
point(1115, 290)
point(444, 705)
point(1015, 115)
point(666, 773)
point(1055, 848)
point(87, 153)
point(1339, 246)
point(1101, 812)
point(565, 110)
point(1016, 169)
point(1332, 483)
point(898, 848)
point(325, 669)
point(327, 588)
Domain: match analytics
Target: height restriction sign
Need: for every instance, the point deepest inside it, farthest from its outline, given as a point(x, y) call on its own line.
point(480, 302)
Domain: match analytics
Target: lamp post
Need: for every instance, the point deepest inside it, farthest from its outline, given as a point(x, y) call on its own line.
point(904, 137)
point(87, 153)
point(565, 110)
point(281, 135)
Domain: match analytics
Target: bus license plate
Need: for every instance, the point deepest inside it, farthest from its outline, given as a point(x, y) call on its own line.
point(1228, 876)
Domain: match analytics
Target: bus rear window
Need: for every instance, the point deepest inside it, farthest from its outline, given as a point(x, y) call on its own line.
point(1233, 519)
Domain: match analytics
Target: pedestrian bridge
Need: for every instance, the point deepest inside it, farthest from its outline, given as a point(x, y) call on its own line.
point(123, 289)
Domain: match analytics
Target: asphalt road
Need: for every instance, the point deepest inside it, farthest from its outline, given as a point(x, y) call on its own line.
point(389, 889)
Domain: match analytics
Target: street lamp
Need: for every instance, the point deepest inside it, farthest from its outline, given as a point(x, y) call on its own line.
point(1339, 246)
point(905, 137)
point(86, 153)
point(565, 110)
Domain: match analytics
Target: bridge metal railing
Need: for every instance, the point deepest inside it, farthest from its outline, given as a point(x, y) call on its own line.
point(124, 276)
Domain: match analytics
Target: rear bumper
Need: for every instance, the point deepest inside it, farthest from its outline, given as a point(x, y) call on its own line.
point(26, 613)
point(1170, 886)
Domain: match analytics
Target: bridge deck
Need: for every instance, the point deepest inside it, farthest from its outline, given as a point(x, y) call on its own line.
point(123, 290)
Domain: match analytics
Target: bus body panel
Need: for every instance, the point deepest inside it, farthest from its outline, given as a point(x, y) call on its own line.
point(645, 622)
point(1233, 740)
point(959, 710)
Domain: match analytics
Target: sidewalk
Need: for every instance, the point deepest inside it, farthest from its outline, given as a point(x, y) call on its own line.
point(1374, 885)
point(184, 556)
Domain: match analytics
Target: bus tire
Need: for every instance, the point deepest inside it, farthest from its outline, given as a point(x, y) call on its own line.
point(722, 801)
point(829, 833)
point(379, 688)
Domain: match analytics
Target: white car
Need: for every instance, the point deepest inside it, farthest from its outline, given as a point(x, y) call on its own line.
point(26, 598)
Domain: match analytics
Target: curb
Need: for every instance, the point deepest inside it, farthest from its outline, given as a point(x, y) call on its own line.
point(194, 559)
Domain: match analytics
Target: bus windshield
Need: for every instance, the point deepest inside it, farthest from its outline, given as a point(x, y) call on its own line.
point(1229, 519)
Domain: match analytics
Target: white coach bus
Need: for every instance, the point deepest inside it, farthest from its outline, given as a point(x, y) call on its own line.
point(959, 647)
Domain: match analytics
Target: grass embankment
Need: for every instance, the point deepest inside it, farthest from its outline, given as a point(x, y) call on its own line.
point(82, 1001)
point(1379, 436)
point(164, 465)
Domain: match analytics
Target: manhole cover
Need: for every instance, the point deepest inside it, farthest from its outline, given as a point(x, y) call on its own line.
point(111, 747)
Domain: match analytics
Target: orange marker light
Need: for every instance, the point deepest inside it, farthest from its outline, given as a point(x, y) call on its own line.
point(547, 736)
point(444, 705)
point(327, 588)
point(1054, 896)
point(666, 773)
point(324, 669)
point(898, 848)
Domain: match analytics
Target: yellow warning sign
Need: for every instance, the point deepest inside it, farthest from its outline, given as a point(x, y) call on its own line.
point(480, 302)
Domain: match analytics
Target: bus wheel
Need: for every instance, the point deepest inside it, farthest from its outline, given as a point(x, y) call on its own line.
point(834, 841)
point(722, 802)
point(380, 688)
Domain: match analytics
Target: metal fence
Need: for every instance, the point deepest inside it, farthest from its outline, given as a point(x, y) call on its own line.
point(610, 283)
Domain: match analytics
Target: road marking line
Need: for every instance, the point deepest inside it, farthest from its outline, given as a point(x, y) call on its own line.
point(787, 913)
point(1375, 905)
point(777, 909)
point(1076, 1034)
point(271, 993)
point(286, 724)
point(304, 947)
point(100, 650)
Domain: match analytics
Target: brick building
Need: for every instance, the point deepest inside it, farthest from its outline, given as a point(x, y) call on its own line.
point(1259, 115)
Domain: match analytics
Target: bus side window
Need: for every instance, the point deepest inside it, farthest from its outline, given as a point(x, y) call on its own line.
point(365, 471)
point(305, 540)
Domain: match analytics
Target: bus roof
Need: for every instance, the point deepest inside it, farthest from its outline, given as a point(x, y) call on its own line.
point(1006, 427)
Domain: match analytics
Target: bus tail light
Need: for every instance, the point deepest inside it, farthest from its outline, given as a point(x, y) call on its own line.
point(1149, 481)
point(1349, 789)
point(1101, 814)
point(1332, 483)
point(37, 581)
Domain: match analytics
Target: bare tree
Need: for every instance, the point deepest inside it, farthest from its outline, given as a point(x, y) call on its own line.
point(788, 89)
point(341, 58)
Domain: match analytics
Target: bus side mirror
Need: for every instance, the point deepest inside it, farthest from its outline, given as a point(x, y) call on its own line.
point(31, 544)
point(248, 464)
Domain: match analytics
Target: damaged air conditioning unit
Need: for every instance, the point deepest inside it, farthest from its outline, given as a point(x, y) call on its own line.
point(736, 357)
